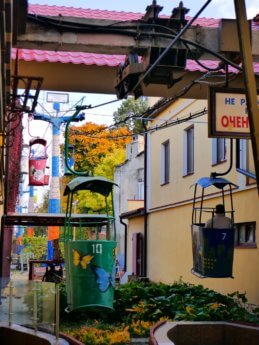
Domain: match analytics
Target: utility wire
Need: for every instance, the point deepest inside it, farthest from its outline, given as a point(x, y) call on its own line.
point(78, 102)
point(151, 129)
point(160, 103)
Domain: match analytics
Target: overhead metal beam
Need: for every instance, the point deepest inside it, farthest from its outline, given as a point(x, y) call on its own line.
point(46, 219)
point(100, 79)
point(46, 38)
point(94, 36)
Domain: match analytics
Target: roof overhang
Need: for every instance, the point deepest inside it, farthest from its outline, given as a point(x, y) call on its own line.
point(100, 79)
point(132, 214)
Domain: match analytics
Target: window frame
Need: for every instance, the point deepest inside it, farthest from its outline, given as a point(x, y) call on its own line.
point(219, 151)
point(165, 163)
point(238, 235)
point(188, 151)
point(242, 160)
point(141, 190)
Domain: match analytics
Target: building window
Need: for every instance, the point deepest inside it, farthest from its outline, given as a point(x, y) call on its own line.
point(245, 160)
point(188, 151)
point(140, 190)
point(165, 163)
point(218, 150)
point(242, 154)
point(245, 234)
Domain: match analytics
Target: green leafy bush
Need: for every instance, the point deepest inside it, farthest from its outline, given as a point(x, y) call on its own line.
point(139, 305)
point(179, 301)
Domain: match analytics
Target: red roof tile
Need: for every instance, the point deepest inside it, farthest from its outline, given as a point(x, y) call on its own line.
point(193, 66)
point(68, 57)
point(46, 10)
point(97, 59)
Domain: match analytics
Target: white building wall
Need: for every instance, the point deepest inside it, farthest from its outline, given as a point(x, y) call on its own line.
point(128, 176)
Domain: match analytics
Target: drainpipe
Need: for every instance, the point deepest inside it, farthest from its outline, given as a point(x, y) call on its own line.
point(145, 206)
point(125, 244)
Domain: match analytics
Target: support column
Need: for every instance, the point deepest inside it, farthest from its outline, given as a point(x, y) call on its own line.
point(249, 76)
point(54, 195)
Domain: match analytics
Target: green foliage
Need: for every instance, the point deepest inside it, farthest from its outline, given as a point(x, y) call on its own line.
point(89, 202)
point(129, 113)
point(152, 302)
point(43, 208)
point(108, 163)
point(179, 301)
point(36, 245)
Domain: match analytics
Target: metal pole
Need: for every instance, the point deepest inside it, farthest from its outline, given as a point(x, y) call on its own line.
point(250, 84)
point(54, 197)
point(10, 304)
point(57, 312)
point(54, 194)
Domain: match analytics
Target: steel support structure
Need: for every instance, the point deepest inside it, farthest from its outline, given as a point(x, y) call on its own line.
point(249, 76)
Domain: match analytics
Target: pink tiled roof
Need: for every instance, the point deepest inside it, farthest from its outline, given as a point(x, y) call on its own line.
point(192, 66)
point(97, 59)
point(92, 58)
point(68, 57)
point(46, 10)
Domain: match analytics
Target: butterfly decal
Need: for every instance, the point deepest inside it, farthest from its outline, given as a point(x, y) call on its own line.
point(82, 260)
point(104, 279)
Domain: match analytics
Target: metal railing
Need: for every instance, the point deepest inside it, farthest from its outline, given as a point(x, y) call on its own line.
point(31, 304)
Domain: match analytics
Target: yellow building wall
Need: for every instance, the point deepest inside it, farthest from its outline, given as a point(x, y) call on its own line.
point(135, 204)
point(170, 250)
point(173, 192)
point(169, 255)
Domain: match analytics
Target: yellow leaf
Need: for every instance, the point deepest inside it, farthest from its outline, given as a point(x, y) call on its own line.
point(214, 305)
point(189, 310)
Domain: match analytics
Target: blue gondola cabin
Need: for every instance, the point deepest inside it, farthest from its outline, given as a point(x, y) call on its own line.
point(212, 245)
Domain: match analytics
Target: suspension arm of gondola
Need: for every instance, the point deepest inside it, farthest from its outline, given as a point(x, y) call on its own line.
point(202, 198)
point(193, 205)
point(215, 174)
point(177, 37)
point(232, 205)
point(71, 119)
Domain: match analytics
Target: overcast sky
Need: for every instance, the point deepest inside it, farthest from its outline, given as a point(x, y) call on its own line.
point(216, 8)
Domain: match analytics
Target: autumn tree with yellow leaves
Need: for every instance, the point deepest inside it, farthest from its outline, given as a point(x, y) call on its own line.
point(97, 150)
point(92, 142)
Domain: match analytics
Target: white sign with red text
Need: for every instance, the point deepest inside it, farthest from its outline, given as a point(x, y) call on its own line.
point(228, 115)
